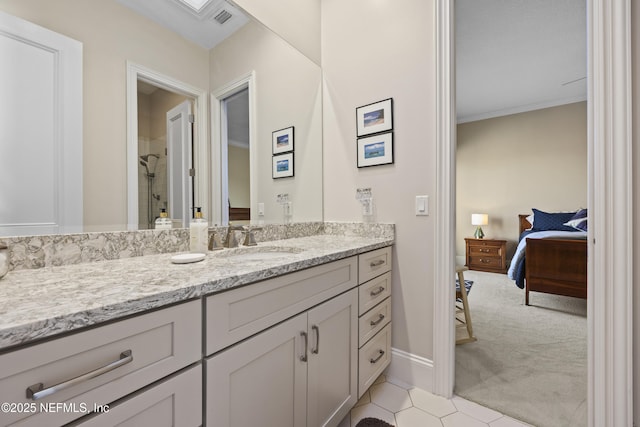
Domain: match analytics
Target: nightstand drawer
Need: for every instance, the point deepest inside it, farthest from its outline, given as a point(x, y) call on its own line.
point(485, 262)
point(485, 250)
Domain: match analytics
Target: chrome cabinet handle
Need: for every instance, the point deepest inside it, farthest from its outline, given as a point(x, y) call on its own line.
point(380, 354)
point(376, 263)
point(317, 347)
point(37, 391)
point(377, 322)
point(303, 357)
point(377, 291)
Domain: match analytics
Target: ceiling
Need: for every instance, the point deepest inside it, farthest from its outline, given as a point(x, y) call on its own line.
point(199, 26)
point(511, 55)
point(519, 55)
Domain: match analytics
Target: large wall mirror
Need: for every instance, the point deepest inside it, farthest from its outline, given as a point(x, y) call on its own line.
point(285, 90)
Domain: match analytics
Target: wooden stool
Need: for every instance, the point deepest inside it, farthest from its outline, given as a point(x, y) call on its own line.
point(463, 315)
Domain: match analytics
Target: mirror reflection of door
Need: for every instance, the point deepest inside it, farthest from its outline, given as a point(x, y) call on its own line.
point(236, 132)
point(155, 158)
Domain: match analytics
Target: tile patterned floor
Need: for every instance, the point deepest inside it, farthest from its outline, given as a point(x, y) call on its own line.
point(413, 407)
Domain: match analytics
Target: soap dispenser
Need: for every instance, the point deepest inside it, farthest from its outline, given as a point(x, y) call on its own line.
point(163, 222)
point(198, 233)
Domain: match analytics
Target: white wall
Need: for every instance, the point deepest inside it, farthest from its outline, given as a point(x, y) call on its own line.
point(367, 57)
point(508, 165)
point(111, 34)
point(297, 21)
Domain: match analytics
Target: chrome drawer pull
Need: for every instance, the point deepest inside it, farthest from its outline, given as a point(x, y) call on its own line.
point(303, 357)
point(377, 322)
point(37, 391)
point(377, 291)
point(380, 354)
point(376, 263)
point(317, 348)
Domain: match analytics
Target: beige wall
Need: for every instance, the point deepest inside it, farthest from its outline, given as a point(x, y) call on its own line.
point(367, 57)
point(239, 184)
point(111, 34)
point(288, 93)
point(635, 35)
point(303, 32)
point(508, 165)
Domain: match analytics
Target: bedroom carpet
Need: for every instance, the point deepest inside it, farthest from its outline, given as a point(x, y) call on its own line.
point(529, 362)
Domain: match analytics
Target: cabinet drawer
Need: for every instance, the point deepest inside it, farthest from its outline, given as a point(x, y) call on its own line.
point(374, 320)
point(374, 291)
point(374, 263)
point(373, 358)
point(237, 314)
point(485, 250)
point(486, 262)
point(140, 350)
point(176, 401)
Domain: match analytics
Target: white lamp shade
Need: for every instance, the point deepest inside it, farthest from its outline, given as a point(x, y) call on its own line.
point(479, 219)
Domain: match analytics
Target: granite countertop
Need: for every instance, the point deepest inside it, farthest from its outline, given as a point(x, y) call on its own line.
point(40, 303)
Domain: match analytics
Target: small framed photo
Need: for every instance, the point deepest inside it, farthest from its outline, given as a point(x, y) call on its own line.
point(375, 118)
point(375, 150)
point(282, 166)
point(282, 140)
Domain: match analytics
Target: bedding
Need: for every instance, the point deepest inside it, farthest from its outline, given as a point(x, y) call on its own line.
point(516, 270)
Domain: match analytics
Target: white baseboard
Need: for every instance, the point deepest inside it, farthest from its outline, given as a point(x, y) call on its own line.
point(408, 370)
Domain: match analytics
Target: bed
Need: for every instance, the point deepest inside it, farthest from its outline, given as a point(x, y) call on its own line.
point(550, 261)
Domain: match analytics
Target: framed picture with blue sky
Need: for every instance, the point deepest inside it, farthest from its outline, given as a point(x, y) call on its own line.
point(282, 140)
point(375, 150)
point(374, 118)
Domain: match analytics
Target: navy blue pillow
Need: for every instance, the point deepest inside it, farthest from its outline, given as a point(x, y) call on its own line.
point(544, 221)
point(579, 220)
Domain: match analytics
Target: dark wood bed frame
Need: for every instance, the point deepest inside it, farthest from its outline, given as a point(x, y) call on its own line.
point(555, 266)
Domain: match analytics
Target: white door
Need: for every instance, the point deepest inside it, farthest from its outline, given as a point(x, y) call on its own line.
point(333, 358)
point(180, 162)
point(261, 381)
point(40, 130)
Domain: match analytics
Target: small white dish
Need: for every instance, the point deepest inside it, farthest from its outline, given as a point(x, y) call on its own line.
point(187, 258)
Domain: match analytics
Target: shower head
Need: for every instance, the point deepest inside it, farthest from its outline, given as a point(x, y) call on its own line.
point(149, 161)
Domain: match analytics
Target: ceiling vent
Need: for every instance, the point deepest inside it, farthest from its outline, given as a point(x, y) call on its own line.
point(222, 16)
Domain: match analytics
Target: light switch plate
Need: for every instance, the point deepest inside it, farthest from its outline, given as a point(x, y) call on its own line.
point(422, 205)
point(260, 209)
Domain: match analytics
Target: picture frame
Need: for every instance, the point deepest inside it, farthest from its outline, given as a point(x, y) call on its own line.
point(282, 166)
point(375, 150)
point(374, 118)
point(282, 140)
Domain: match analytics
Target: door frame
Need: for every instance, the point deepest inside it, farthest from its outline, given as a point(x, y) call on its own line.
point(610, 264)
point(219, 174)
point(137, 72)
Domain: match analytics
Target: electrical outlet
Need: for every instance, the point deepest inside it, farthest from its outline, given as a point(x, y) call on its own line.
point(260, 209)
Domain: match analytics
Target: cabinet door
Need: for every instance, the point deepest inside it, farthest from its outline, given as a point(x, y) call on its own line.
point(332, 371)
point(261, 381)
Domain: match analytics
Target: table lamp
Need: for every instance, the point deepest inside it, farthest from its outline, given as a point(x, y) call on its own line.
point(478, 220)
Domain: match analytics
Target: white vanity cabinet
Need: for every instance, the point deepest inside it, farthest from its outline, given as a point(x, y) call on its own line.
point(301, 366)
point(374, 323)
point(67, 376)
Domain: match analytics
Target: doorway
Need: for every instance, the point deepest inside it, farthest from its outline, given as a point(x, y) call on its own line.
point(188, 178)
point(165, 152)
point(237, 185)
point(610, 311)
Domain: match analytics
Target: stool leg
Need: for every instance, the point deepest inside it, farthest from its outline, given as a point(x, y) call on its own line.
point(465, 305)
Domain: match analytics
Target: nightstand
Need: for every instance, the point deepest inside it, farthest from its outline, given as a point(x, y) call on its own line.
point(486, 255)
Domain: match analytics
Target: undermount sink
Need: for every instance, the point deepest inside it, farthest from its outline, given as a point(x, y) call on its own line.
point(259, 253)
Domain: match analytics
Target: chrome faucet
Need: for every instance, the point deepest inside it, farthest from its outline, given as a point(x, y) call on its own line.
point(249, 237)
point(232, 241)
point(214, 241)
